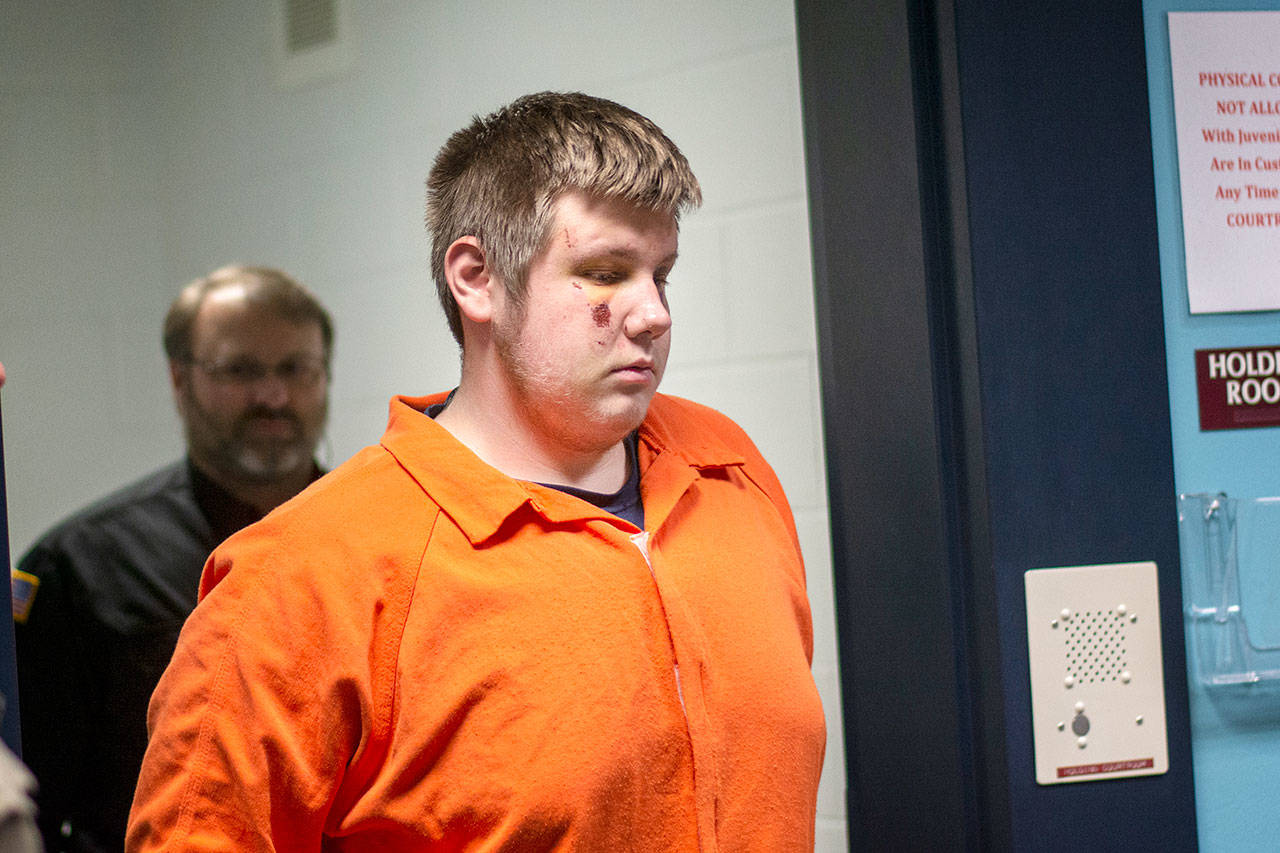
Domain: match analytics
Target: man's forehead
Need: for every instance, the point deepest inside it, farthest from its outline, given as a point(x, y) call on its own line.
point(596, 224)
point(231, 324)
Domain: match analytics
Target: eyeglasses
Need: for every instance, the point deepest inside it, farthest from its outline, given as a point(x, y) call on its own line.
point(300, 372)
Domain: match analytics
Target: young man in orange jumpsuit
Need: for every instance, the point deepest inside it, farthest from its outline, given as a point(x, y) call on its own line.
point(552, 610)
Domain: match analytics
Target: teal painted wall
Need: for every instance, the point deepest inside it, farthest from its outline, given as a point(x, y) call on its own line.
point(1236, 745)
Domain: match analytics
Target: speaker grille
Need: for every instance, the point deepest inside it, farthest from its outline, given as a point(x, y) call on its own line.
point(1095, 646)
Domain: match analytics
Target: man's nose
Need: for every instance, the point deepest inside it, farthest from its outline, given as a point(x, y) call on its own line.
point(650, 314)
point(270, 390)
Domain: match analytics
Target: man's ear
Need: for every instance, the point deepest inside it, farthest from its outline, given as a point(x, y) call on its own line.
point(471, 281)
point(176, 370)
point(179, 376)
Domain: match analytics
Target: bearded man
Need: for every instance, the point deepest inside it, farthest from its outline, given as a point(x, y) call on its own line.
point(100, 599)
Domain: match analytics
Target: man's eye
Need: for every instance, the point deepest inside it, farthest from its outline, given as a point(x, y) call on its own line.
point(301, 371)
point(290, 370)
point(605, 276)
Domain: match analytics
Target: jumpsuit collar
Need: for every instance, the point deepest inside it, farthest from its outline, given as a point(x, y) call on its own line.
point(481, 499)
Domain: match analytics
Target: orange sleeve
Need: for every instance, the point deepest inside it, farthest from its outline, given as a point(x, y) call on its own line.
point(267, 706)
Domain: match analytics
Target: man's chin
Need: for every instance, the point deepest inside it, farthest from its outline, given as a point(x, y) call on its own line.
point(267, 466)
point(623, 419)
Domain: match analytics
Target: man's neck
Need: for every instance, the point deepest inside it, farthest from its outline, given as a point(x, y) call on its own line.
point(504, 437)
point(262, 496)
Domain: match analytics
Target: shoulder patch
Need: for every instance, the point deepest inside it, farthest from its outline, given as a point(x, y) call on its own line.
point(22, 586)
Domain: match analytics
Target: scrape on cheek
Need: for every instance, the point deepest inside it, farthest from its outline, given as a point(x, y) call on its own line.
point(601, 315)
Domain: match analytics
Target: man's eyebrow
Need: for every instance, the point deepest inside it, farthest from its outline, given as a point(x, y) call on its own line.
point(622, 253)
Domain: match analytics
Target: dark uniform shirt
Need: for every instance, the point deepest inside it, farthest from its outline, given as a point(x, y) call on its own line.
point(109, 589)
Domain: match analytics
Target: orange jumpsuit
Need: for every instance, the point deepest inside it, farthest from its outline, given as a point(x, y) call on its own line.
point(420, 653)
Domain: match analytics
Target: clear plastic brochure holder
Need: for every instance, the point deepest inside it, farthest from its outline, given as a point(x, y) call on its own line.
point(1231, 588)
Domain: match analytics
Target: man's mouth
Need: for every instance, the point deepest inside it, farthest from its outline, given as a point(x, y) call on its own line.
point(271, 426)
point(637, 371)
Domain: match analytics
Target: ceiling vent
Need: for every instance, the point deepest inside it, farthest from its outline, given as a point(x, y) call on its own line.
point(310, 23)
point(313, 41)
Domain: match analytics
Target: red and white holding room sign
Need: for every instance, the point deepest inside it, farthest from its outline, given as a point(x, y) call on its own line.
point(1239, 387)
point(1226, 96)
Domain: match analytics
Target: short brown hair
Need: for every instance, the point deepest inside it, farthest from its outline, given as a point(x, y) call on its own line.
point(265, 288)
point(498, 179)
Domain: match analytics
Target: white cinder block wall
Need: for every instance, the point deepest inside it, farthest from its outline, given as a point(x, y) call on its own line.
point(146, 142)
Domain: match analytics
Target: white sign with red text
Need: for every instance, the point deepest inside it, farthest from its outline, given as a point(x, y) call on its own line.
point(1226, 104)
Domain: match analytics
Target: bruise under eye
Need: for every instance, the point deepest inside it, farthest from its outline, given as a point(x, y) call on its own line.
point(600, 314)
